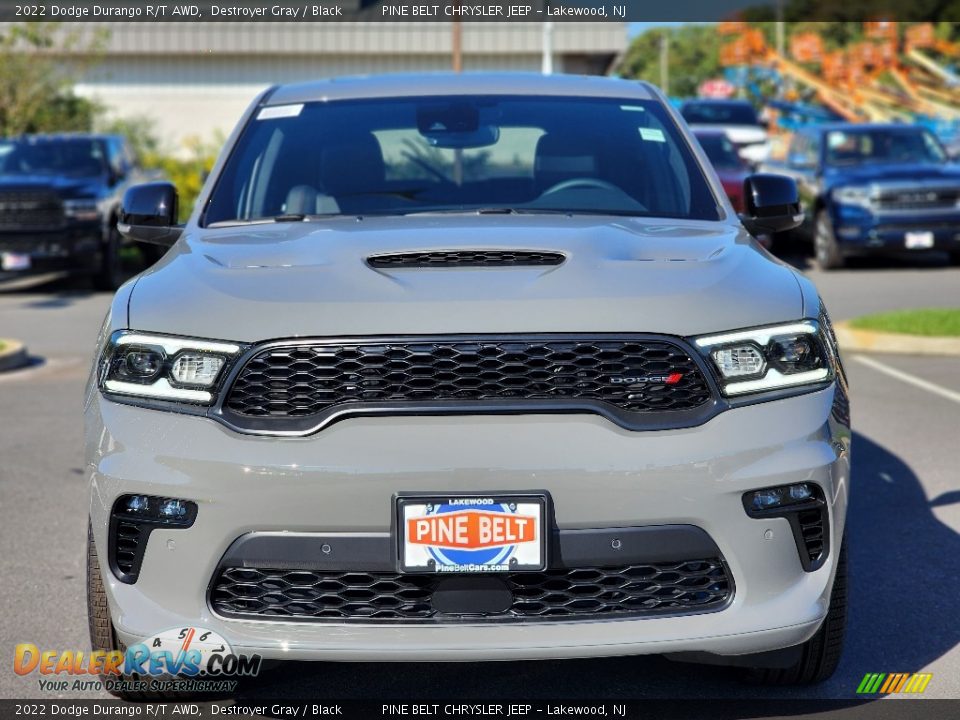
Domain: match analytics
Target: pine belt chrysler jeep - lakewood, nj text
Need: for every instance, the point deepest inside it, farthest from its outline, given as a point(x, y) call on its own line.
point(470, 367)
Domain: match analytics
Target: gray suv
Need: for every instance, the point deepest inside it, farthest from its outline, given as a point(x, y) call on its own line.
point(470, 367)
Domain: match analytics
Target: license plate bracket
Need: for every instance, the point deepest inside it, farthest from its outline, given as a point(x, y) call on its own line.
point(471, 533)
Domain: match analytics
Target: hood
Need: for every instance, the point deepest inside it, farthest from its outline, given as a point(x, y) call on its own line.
point(65, 187)
point(258, 282)
point(912, 173)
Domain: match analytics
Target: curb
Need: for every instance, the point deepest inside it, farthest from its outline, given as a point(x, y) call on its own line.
point(13, 355)
point(880, 342)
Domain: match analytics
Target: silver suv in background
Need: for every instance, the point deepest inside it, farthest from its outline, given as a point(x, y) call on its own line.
point(470, 367)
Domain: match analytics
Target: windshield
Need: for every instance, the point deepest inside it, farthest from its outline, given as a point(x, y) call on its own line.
point(719, 113)
point(896, 146)
point(461, 154)
point(720, 151)
point(72, 157)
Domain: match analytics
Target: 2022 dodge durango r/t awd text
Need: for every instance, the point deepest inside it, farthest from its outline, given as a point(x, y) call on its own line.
point(470, 368)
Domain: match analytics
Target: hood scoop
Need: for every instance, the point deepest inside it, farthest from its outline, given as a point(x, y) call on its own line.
point(466, 258)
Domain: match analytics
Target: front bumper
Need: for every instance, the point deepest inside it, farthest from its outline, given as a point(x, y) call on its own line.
point(342, 479)
point(862, 232)
point(73, 248)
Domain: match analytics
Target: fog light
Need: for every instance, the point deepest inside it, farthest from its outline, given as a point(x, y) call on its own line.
point(138, 503)
point(196, 369)
point(777, 497)
point(804, 506)
point(132, 520)
point(763, 499)
point(172, 508)
point(153, 510)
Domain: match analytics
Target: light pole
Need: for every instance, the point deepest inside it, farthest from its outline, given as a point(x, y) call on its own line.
point(456, 42)
point(547, 62)
point(780, 29)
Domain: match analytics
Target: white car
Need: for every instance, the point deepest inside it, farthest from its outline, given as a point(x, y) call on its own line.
point(737, 118)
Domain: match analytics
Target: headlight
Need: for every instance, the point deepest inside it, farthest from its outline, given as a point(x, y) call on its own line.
point(85, 209)
point(853, 195)
point(160, 367)
point(782, 356)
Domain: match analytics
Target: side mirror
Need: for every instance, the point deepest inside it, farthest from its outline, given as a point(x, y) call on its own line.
point(148, 214)
point(116, 175)
point(772, 204)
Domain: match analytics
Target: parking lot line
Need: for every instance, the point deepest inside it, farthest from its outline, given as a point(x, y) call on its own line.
point(908, 378)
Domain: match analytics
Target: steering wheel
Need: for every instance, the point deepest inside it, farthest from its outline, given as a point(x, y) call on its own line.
point(584, 182)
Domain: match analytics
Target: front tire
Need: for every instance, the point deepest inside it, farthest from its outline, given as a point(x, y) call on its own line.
point(819, 655)
point(98, 613)
point(825, 247)
point(109, 275)
point(955, 259)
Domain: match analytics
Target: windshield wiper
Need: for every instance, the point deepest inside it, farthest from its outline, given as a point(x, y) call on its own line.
point(491, 211)
point(283, 218)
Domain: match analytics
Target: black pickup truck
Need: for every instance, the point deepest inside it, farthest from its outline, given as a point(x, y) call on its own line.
point(59, 196)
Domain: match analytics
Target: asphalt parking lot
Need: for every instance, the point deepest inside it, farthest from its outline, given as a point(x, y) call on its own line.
point(904, 527)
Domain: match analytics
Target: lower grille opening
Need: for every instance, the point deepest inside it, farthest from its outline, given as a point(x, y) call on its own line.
point(132, 520)
point(555, 594)
point(804, 506)
point(127, 540)
point(812, 531)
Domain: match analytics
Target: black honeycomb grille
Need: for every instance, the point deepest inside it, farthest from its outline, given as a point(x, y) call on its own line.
point(306, 380)
point(670, 587)
point(466, 258)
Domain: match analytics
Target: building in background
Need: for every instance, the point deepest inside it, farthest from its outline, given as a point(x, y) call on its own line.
point(194, 79)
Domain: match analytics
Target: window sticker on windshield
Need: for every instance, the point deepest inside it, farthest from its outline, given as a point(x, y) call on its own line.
point(652, 134)
point(279, 111)
point(633, 108)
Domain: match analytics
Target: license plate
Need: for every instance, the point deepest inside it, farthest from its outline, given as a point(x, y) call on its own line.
point(14, 261)
point(471, 534)
point(919, 240)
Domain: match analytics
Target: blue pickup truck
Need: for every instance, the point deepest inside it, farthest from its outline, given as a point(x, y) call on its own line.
point(874, 189)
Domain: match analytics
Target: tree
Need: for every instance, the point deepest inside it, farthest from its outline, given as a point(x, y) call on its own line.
point(694, 57)
point(39, 64)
